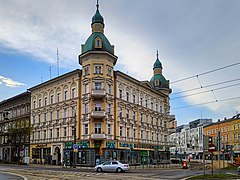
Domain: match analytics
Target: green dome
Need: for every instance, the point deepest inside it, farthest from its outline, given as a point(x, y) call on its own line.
point(157, 64)
point(97, 18)
point(159, 81)
point(90, 43)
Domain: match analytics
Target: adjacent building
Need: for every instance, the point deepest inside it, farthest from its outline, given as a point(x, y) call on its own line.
point(15, 128)
point(97, 114)
point(189, 140)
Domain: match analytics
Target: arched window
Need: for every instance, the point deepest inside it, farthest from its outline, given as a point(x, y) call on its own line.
point(98, 42)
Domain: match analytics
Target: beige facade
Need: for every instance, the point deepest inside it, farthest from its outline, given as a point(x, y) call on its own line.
point(117, 116)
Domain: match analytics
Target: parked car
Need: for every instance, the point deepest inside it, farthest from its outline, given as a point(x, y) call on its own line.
point(112, 166)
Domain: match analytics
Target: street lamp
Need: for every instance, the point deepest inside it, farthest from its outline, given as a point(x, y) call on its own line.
point(74, 137)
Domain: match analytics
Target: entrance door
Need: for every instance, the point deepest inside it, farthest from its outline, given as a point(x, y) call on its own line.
point(58, 160)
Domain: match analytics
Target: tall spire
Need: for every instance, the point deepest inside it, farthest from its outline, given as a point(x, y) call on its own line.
point(97, 5)
point(157, 53)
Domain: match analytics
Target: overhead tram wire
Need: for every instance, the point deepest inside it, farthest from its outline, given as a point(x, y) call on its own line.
point(207, 72)
point(224, 87)
point(221, 100)
point(193, 89)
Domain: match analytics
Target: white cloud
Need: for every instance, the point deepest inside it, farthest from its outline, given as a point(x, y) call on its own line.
point(9, 82)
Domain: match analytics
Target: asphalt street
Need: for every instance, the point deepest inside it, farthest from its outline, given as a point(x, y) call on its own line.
point(6, 176)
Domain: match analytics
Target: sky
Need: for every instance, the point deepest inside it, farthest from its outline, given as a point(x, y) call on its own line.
point(192, 37)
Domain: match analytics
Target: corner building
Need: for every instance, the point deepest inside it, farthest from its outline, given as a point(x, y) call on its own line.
point(117, 116)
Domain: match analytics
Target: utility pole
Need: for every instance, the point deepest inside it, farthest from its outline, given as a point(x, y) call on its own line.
point(203, 155)
point(219, 147)
point(74, 143)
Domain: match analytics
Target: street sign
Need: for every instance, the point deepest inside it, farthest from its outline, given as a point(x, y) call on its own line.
point(211, 148)
point(75, 147)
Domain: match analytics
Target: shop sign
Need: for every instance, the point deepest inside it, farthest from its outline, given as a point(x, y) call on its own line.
point(83, 144)
point(110, 144)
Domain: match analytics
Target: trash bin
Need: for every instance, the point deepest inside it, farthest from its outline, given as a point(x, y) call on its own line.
point(184, 165)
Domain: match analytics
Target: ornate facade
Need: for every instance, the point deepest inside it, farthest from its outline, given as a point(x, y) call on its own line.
point(14, 128)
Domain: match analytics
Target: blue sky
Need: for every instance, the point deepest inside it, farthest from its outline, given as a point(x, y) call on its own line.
point(192, 37)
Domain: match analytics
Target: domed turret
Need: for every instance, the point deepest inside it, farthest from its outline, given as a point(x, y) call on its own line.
point(97, 18)
point(158, 80)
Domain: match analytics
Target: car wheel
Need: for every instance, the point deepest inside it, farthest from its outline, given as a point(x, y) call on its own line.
point(99, 169)
point(119, 170)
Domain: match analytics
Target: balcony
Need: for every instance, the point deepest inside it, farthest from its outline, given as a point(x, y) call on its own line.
point(98, 114)
point(98, 93)
point(98, 136)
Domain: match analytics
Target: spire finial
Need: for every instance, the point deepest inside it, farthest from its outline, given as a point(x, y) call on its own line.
point(157, 54)
point(97, 5)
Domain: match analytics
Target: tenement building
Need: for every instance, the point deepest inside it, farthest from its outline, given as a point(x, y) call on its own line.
point(14, 129)
point(96, 114)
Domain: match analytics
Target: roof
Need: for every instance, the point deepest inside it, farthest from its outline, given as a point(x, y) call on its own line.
point(90, 43)
point(157, 64)
point(163, 82)
point(97, 18)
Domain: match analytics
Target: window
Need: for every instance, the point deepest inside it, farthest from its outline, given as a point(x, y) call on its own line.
point(151, 105)
point(152, 120)
point(114, 162)
point(120, 112)
point(51, 133)
point(58, 97)
point(34, 119)
point(98, 43)
point(141, 117)
point(39, 103)
point(157, 136)
point(120, 93)
point(133, 98)
point(73, 130)
point(86, 128)
point(147, 135)
point(45, 117)
point(109, 89)
point(109, 128)
point(44, 134)
point(73, 111)
point(127, 132)
point(109, 108)
point(134, 133)
point(65, 95)
point(127, 96)
point(39, 135)
point(156, 107)
point(127, 114)
point(98, 128)
point(98, 69)
point(165, 124)
point(141, 101)
point(141, 134)
point(147, 119)
point(98, 85)
point(121, 131)
point(58, 114)
point(51, 99)
point(64, 131)
point(73, 92)
point(109, 71)
point(160, 109)
point(134, 115)
point(34, 104)
point(86, 88)
point(57, 132)
point(65, 113)
point(146, 102)
point(86, 71)
point(98, 106)
point(51, 116)
point(156, 121)
point(86, 108)
point(39, 118)
point(45, 101)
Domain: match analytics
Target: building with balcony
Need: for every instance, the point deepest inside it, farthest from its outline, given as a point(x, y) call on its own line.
point(188, 139)
point(113, 115)
point(14, 129)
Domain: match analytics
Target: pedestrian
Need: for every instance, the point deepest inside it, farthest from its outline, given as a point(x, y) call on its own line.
point(64, 164)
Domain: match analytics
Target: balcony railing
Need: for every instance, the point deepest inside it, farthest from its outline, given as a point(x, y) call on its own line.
point(98, 93)
point(98, 136)
point(98, 114)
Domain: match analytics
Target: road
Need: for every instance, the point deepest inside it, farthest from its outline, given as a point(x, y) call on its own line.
point(56, 172)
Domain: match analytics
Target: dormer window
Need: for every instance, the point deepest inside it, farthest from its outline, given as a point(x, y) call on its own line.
point(98, 42)
point(157, 82)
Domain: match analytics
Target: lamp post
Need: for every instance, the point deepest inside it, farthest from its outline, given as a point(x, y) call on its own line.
point(74, 137)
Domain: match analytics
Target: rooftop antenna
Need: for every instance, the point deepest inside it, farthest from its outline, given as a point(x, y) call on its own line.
point(50, 71)
point(57, 62)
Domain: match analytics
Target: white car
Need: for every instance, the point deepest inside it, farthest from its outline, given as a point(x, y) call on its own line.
point(112, 166)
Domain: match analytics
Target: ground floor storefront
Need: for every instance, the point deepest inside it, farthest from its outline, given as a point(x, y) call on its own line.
point(91, 153)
